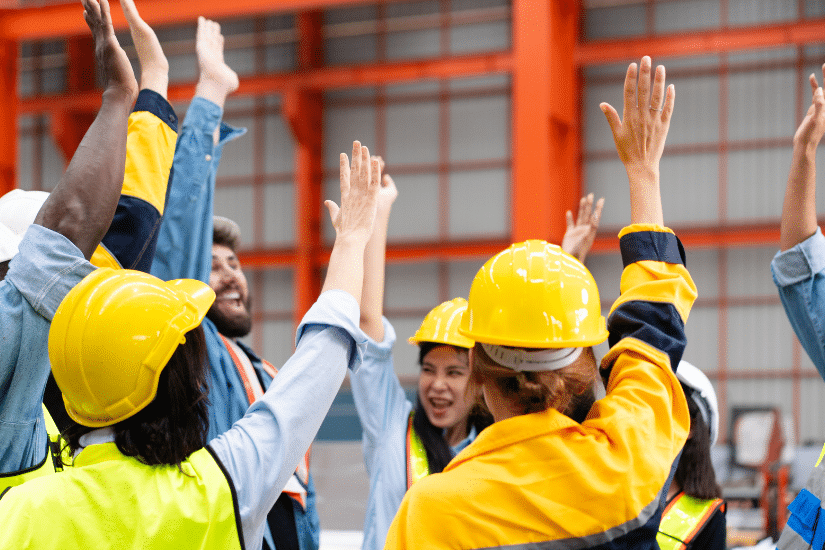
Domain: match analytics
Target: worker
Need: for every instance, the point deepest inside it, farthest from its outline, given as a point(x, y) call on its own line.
point(536, 476)
point(799, 271)
point(147, 146)
point(694, 515)
point(403, 442)
point(128, 353)
point(195, 244)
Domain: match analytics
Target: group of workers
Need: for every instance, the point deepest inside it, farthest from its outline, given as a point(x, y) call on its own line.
point(132, 416)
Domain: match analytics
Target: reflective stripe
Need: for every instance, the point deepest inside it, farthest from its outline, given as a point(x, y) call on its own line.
point(417, 465)
point(296, 485)
point(683, 519)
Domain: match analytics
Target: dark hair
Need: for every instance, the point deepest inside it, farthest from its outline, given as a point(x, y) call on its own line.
point(695, 474)
point(432, 437)
point(568, 390)
point(174, 424)
point(4, 268)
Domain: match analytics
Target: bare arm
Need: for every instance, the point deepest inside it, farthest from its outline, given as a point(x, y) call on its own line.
point(799, 209)
point(83, 203)
point(372, 294)
point(353, 221)
point(640, 137)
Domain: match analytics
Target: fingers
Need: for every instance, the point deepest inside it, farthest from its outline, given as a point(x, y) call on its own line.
point(333, 210)
point(345, 173)
point(570, 223)
point(106, 14)
point(629, 91)
point(597, 213)
point(813, 83)
point(365, 167)
point(355, 166)
point(643, 94)
point(670, 99)
point(585, 206)
point(375, 172)
point(658, 93)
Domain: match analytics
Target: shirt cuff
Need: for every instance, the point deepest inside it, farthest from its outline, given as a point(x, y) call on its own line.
point(337, 308)
point(47, 267)
point(640, 242)
point(382, 350)
point(800, 262)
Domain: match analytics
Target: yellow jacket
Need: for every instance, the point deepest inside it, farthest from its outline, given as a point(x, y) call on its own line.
point(543, 478)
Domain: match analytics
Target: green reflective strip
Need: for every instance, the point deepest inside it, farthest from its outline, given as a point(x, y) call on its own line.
point(417, 465)
point(683, 520)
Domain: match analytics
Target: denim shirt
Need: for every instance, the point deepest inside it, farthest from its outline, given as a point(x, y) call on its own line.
point(383, 409)
point(47, 267)
point(184, 250)
point(799, 274)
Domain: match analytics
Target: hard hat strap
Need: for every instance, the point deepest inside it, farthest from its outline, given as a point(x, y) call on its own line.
point(540, 360)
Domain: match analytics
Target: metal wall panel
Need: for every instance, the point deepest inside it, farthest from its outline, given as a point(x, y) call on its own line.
point(759, 338)
point(404, 355)
point(689, 185)
point(761, 104)
point(685, 15)
point(279, 154)
point(279, 214)
point(479, 128)
point(277, 290)
point(749, 272)
point(696, 109)
point(753, 12)
point(812, 405)
point(756, 183)
point(238, 157)
point(703, 338)
point(703, 265)
point(236, 203)
point(411, 286)
point(415, 213)
point(615, 22)
point(53, 162)
point(479, 203)
point(414, 44)
point(461, 275)
point(480, 37)
point(344, 124)
point(412, 133)
point(278, 341)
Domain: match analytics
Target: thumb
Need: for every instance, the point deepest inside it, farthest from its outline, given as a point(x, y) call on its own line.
point(333, 210)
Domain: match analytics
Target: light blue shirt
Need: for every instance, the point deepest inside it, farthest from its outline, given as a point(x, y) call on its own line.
point(262, 449)
point(799, 274)
point(384, 410)
point(47, 267)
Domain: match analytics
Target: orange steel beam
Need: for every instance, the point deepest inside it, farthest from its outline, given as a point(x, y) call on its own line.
point(797, 33)
point(8, 116)
point(546, 149)
point(706, 237)
point(311, 79)
point(303, 110)
point(40, 22)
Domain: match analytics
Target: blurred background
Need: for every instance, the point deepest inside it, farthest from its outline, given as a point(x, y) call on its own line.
point(486, 112)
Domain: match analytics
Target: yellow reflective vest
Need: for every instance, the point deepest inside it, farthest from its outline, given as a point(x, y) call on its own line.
point(108, 500)
point(51, 461)
point(417, 464)
point(683, 519)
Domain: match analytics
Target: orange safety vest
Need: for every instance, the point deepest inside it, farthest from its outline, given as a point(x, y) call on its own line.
point(302, 472)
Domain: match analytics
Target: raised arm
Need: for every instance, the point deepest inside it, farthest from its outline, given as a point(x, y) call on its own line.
point(640, 137)
point(581, 232)
point(799, 208)
point(372, 302)
point(83, 203)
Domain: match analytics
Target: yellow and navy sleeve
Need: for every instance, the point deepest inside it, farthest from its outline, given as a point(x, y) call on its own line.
point(657, 292)
point(131, 239)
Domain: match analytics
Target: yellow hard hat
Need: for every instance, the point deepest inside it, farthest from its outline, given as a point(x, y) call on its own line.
point(534, 295)
point(112, 336)
point(441, 325)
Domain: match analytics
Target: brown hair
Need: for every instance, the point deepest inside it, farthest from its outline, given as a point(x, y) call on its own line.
point(226, 233)
point(538, 391)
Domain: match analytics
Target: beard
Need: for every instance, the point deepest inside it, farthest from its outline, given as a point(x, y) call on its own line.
point(231, 326)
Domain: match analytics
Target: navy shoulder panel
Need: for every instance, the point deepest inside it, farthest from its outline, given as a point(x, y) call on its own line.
point(657, 324)
point(133, 235)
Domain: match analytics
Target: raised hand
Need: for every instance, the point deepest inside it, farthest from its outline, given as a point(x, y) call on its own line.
point(216, 79)
point(359, 195)
point(640, 137)
point(154, 67)
point(581, 232)
point(388, 192)
point(117, 71)
point(812, 127)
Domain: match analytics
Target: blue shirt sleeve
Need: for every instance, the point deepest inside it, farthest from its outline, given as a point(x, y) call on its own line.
point(799, 274)
point(184, 247)
point(47, 267)
point(262, 449)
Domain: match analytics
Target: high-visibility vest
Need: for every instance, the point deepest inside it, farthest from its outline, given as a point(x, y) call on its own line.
point(109, 500)
point(52, 462)
point(806, 525)
point(683, 519)
point(417, 464)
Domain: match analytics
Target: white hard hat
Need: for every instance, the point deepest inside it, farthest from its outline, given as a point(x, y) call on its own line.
point(18, 209)
point(703, 395)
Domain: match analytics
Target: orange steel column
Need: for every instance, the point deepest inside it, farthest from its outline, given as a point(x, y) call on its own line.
point(8, 116)
point(303, 110)
point(69, 125)
point(546, 175)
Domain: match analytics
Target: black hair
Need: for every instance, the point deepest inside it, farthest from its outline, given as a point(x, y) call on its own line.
point(174, 424)
point(4, 268)
point(432, 437)
point(695, 474)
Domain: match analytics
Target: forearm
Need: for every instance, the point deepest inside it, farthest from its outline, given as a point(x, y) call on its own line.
point(346, 271)
point(645, 196)
point(372, 304)
point(799, 208)
point(78, 209)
